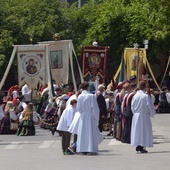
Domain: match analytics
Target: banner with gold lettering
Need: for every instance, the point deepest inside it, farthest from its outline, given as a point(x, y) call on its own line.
point(94, 61)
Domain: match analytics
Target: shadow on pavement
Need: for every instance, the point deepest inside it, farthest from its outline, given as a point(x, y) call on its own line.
point(159, 152)
point(158, 139)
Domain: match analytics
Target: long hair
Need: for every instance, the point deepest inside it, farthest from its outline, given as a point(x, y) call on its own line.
point(29, 108)
point(9, 105)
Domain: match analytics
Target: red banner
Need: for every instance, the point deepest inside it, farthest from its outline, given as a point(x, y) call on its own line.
point(94, 61)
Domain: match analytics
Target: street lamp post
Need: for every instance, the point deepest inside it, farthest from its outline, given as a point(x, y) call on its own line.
point(145, 42)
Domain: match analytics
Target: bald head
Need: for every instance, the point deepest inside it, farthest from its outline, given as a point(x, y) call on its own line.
point(101, 88)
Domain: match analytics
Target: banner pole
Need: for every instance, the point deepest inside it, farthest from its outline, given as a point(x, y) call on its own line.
point(166, 70)
point(49, 75)
point(81, 75)
point(71, 65)
point(152, 74)
point(8, 67)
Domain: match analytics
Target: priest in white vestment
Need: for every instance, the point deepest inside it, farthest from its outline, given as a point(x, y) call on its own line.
point(88, 137)
point(142, 108)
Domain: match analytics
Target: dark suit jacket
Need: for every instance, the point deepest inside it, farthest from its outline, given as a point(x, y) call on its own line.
point(102, 105)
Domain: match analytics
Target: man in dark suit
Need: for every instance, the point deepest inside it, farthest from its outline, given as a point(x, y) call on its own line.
point(102, 105)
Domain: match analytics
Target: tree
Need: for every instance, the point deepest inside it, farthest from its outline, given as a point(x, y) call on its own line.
point(114, 23)
point(25, 22)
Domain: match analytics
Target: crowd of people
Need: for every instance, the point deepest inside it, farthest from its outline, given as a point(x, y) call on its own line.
point(17, 112)
point(114, 110)
point(124, 110)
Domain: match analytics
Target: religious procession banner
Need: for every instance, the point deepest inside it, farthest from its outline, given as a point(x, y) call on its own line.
point(135, 62)
point(58, 52)
point(94, 61)
point(31, 65)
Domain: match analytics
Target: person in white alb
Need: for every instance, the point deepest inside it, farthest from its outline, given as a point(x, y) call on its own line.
point(142, 109)
point(88, 136)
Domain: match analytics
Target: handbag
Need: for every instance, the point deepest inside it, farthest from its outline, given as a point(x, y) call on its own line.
point(14, 126)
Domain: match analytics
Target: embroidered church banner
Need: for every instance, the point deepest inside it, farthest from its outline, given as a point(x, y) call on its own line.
point(59, 60)
point(94, 61)
point(31, 65)
point(135, 62)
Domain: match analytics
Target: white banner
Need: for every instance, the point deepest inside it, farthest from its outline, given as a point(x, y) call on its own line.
point(31, 65)
point(59, 60)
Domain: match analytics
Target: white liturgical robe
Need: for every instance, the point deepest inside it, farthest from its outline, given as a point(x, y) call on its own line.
point(66, 119)
point(142, 108)
point(89, 136)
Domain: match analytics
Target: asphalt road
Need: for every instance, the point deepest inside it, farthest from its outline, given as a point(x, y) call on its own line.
point(43, 152)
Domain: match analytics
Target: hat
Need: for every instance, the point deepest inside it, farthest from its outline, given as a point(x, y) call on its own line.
point(119, 85)
point(15, 101)
point(132, 78)
point(66, 97)
point(70, 94)
point(126, 84)
point(16, 87)
point(133, 85)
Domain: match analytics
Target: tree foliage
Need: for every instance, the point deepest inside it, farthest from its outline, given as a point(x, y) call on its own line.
point(114, 23)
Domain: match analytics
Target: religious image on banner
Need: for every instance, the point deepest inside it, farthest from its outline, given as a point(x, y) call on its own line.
point(31, 67)
point(134, 60)
point(59, 53)
point(94, 61)
point(56, 59)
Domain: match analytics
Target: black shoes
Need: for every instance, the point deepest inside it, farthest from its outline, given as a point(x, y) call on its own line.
point(140, 149)
point(143, 151)
point(84, 153)
point(89, 153)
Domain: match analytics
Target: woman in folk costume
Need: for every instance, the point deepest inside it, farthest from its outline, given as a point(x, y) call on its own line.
point(142, 109)
point(109, 99)
point(14, 91)
point(28, 118)
point(64, 123)
point(22, 104)
point(88, 136)
point(117, 103)
point(9, 118)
